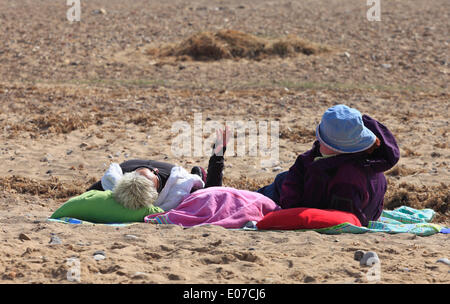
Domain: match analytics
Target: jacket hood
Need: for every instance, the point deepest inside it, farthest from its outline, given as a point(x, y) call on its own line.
point(381, 159)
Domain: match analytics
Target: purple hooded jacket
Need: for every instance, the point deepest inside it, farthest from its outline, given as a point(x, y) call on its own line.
point(349, 182)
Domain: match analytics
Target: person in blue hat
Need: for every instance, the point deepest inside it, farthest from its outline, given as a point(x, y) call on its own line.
point(343, 170)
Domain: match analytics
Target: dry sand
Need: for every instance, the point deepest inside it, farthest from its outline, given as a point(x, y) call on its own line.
point(75, 97)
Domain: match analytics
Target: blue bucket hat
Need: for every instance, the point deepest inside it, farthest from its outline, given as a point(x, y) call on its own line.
point(342, 130)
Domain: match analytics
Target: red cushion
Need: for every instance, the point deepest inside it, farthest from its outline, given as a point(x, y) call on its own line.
point(305, 218)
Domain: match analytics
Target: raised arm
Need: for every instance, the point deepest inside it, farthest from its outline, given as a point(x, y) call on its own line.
point(216, 163)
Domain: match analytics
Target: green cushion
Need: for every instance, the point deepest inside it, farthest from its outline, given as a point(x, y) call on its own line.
point(100, 207)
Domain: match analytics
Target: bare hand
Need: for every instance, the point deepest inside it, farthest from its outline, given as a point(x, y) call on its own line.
point(222, 139)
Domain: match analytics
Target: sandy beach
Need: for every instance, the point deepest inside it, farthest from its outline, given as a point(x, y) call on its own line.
point(75, 97)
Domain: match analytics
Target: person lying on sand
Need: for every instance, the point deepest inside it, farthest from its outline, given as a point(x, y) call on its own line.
point(343, 170)
point(139, 182)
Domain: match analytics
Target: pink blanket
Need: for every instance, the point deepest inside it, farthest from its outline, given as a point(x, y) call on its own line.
point(222, 206)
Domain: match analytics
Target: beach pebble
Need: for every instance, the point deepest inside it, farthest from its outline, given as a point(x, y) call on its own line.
point(54, 240)
point(444, 260)
point(47, 158)
point(369, 258)
point(309, 279)
point(275, 169)
point(131, 237)
point(24, 237)
point(9, 276)
point(101, 11)
point(174, 277)
point(139, 276)
point(358, 255)
point(99, 255)
point(386, 65)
